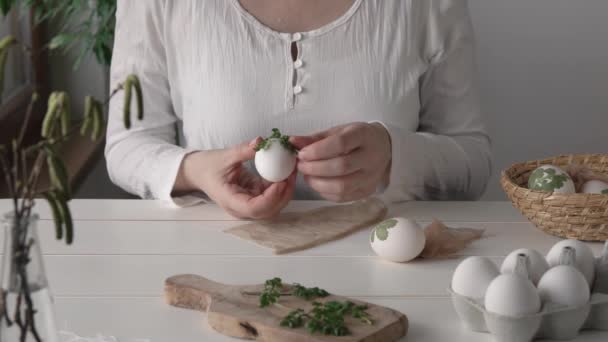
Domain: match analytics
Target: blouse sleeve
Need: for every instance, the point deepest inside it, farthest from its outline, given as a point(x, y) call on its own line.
point(145, 159)
point(449, 157)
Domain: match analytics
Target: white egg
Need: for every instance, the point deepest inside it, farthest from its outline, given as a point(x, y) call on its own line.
point(585, 260)
point(595, 187)
point(398, 239)
point(275, 163)
point(512, 295)
point(537, 263)
point(550, 178)
point(473, 275)
point(564, 284)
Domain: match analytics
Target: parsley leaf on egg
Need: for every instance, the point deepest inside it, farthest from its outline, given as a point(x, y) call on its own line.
point(276, 135)
point(381, 229)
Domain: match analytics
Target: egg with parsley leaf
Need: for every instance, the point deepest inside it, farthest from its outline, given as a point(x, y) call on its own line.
point(398, 239)
point(275, 157)
point(550, 178)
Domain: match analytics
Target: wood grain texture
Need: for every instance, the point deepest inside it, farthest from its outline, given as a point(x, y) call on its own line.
point(234, 311)
point(292, 232)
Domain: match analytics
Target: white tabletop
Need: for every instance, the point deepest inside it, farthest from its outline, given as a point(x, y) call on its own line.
point(111, 280)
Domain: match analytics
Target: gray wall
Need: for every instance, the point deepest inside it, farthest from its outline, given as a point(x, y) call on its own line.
point(544, 77)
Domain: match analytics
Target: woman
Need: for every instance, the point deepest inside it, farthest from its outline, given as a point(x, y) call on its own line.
point(379, 95)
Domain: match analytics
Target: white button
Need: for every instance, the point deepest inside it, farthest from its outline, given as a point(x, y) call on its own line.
point(297, 89)
point(296, 36)
point(298, 63)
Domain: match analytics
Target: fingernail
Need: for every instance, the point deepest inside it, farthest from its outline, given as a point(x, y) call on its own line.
point(254, 141)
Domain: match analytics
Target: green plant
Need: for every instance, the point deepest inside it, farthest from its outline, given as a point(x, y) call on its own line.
point(273, 290)
point(381, 230)
point(271, 293)
point(91, 23)
point(283, 139)
point(308, 293)
point(22, 165)
point(326, 318)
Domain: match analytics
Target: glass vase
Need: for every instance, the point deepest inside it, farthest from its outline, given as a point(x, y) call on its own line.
point(22, 264)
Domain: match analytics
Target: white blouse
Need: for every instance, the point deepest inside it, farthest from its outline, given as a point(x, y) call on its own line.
point(212, 66)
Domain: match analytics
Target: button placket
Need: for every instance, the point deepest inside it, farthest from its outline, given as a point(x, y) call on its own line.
point(297, 88)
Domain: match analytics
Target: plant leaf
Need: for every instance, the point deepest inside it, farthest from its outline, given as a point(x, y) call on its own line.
point(66, 217)
point(57, 172)
point(49, 117)
point(97, 121)
point(127, 103)
point(65, 114)
point(6, 5)
point(56, 214)
point(60, 41)
point(383, 227)
point(138, 96)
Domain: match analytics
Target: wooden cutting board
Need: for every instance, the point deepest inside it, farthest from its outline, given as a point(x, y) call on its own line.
point(296, 231)
point(235, 311)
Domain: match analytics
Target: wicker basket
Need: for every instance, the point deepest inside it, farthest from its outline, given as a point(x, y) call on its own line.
point(572, 216)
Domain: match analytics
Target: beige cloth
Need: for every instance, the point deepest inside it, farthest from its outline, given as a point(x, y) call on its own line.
point(292, 232)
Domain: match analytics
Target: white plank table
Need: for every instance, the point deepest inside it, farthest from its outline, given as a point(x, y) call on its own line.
point(111, 280)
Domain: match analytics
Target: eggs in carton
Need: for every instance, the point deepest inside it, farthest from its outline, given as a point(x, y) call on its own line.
point(568, 303)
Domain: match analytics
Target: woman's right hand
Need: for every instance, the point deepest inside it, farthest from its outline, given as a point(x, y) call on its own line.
point(220, 174)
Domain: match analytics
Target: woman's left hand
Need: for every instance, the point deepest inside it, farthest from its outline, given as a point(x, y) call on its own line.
point(345, 163)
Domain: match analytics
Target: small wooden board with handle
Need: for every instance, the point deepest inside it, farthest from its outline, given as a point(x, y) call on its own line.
point(235, 311)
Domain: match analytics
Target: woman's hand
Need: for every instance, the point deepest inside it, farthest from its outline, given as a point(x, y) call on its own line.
point(347, 162)
point(220, 174)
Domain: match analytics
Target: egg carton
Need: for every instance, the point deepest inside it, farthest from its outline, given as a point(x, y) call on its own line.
point(552, 322)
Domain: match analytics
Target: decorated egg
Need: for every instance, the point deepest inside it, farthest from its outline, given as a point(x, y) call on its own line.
point(564, 284)
point(537, 263)
point(595, 187)
point(275, 157)
point(513, 294)
point(398, 239)
point(473, 276)
point(585, 260)
point(551, 178)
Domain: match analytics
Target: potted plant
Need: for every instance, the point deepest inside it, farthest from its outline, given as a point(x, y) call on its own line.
point(88, 24)
point(26, 305)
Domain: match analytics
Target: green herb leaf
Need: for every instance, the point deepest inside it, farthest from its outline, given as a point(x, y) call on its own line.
point(271, 293)
point(324, 318)
point(548, 180)
point(308, 293)
point(382, 229)
point(294, 319)
point(276, 135)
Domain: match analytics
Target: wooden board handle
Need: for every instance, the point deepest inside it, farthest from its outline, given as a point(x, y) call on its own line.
point(191, 291)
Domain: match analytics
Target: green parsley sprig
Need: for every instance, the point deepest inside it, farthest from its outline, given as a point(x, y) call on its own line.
point(276, 135)
point(327, 318)
point(308, 293)
point(273, 289)
point(271, 293)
